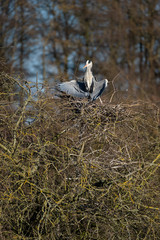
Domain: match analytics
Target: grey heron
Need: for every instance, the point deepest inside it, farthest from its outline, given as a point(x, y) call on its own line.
point(88, 88)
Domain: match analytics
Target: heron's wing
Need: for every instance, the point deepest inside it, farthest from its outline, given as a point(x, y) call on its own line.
point(98, 89)
point(73, 88)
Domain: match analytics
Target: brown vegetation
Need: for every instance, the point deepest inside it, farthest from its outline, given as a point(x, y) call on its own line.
point(73, 170)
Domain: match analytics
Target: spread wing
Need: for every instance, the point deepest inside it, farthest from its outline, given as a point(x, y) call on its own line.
point(99, 87)
point(74, 88)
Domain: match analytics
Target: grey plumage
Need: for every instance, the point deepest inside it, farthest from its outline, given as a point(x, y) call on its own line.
point(88, 88)
point(74, 88)
point(99, 87)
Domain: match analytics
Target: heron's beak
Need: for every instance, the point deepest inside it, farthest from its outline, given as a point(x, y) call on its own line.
point(85, 66)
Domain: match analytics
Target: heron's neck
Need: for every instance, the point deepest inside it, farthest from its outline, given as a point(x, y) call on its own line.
point(88, 79)
point(89, 74)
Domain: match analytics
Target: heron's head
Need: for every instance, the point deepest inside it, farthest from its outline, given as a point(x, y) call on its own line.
point(88, 64)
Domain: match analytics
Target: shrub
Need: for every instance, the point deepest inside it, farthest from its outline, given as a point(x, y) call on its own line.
point(74, 170)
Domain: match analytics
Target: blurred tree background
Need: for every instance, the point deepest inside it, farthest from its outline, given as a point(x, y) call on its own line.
point(54, 37)
point(69, 168)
